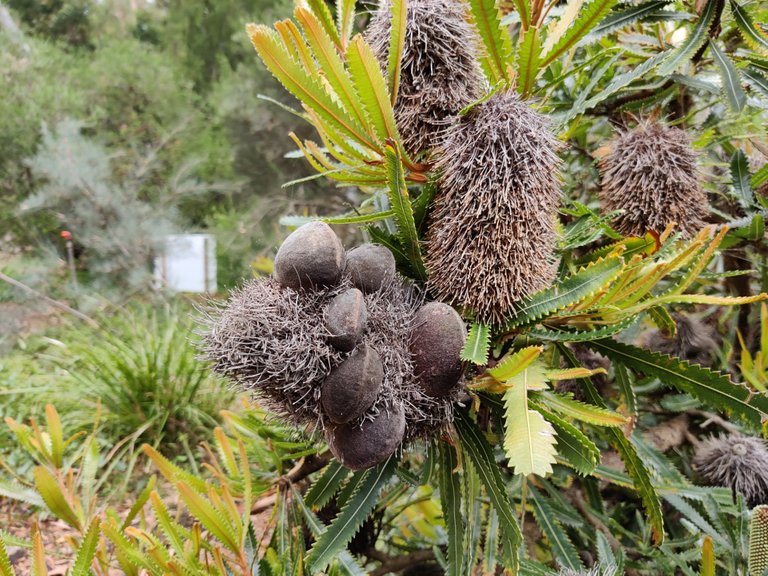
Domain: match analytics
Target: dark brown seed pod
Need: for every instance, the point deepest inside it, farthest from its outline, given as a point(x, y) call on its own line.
point(438, 336)
point(439, 75)
point(491, 234)
point(736, 462)
point(650, 173)
point(345, 318)
point(352, 387)
point(361, 446)
point(311, 257)
point(369, 266)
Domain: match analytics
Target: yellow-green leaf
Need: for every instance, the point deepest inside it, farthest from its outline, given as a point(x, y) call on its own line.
point(53, 496)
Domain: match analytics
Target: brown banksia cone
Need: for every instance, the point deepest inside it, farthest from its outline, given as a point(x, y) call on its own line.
point(439, 74)
point(326, 343)
point(694, 341)
point(650, 173)
point(736, 462)
point(492, 230)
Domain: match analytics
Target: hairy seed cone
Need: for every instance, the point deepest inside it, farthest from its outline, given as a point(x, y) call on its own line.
point(758, 541)
point(362, 446)
point(736, 462)
point(651, 174)
point(439, 74)
point(491, 234)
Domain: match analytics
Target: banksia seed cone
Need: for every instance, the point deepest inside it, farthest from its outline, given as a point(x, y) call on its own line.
point(491, 234)
point(736, 462)
point(439, 74)
point(651, 174)
point(758, 541)
point(694, 341)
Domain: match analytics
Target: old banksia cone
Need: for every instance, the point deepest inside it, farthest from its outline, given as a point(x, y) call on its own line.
point(491, 235)
point(650, 173)
point(328, 347)
point(736, 462)
point(439, 74)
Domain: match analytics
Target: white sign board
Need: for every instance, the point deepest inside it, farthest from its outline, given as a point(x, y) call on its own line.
point(188, 263)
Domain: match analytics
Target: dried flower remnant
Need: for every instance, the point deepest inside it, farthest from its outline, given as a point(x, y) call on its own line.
point(736, 462)
point(492, 230)
point(439, 74)
point(693, 342)
point(650, 173)
point(327, 356)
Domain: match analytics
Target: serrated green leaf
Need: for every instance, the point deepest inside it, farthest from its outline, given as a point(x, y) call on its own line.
point(129, 556)
point(346, 562)
point(87, 550)
point(321, 11)
point(400, 202)
point(299, 83)
point(527, 60)
point(627, 16)
point(695, 40)
point(754, 36)
point(491, 544)
point(351, 516)
point(760, 177)
point(56, 434)
point(175, 534)
point(450, 501)
point(496, 41)
point(14, 491)
point(561, 546)
point(478, 344)
point(141, 500)
point(575, 288)
point(624, 384)
point(758, 80)
point(564, 335)
point(171, 472)
point(326, 485)
point(573, 446)
point(345, 20)
point(202, 509)
point(529, 440)
point(517, 361)
point(569, 31)
point(641, 478)
point(53, 496)
point(399, 9)
point(481, 455)
point(371, 88)
point(734, 93)
point(740, 178)
point(588, 413)
point(5, 562)
point(710, 387)
point(39, 567)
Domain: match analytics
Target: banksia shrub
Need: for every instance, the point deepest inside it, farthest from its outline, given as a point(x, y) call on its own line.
point(758, 541)
point(650, 173)
point(491, 235)
point(439, 74)
point(336, 342)
point(736, 462)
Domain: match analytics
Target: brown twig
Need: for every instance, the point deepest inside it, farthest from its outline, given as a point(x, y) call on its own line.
point(577, 499)
point(390, 564)
point(299, 472)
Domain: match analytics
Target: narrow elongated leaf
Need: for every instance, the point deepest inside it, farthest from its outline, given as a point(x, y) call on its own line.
point(396, 43)
point(710, 387)
point(345, 561)
point(481, 455)
point(732, 88)
point(579, 286)
point(589, 413)
point(565, 335)
point(450, 501)
point(202, 509)
point(326, 486)
point(299, 83)
point(87, 550)
point(589, 14)
point(39, 567)
point(400, 202)
point(51, 492)
point(758, 80)
point(296, 221)
point(627, 16)
point(323, 13)
point(515, 362)
point(754, 36)
point(694, 41)
point(171, 472)
point(740, 178)
point(56, 435)
point(529, 440)
point(624, 384)
point(573, 446)
point(21, 493)
point(141, 500)
point(371, 88)
point(498, 45)
point(352, 515)
point(561, 546)
point(5, 561)
point(477, 346)
point(345, 20)
point(527, 60)
point(760, 177)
